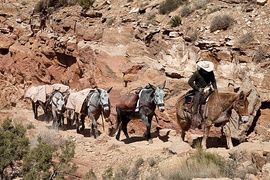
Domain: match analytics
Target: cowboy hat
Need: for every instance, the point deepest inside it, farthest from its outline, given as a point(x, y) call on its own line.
point(206, 65)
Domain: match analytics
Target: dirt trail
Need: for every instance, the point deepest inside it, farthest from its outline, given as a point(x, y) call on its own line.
point(101, 153)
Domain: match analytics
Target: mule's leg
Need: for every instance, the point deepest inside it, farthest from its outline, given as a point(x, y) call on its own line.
point(94, 125)
point(55, 120)
point(183, 134)
point(35, 107)
point(82, 120)
point(205, 135)
point(124, 128)
point(69, 117)
point(76, 117)
point(227, 132)
point(60, 121)
point(118, 124)
point(118, 133)
point(147, 121)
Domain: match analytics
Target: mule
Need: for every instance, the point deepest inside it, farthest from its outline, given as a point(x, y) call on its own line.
point(150, 97)
point(36, 104)
point(57, 102)
point(217, 110)
point(96, 103)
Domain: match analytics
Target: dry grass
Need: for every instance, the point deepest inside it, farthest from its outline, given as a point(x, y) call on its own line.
point(170, 5)
point(259, 55)
point(199, 165)
point(245, 39)
point(221, 22)
point(185, 11)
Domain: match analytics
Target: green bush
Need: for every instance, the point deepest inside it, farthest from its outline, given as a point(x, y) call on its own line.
point(170, 5)
point(221, 22)
point(39, 163)
point(90, 175)
point(175, 21)
point(14, 145)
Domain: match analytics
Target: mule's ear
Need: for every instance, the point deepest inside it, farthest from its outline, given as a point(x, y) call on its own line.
point(99, 90)
point(108, 91)
point(248, 93)
point(163, 85)
point(241, 95)
point(150, 86)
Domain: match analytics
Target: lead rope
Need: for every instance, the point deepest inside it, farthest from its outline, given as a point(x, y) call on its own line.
point(225, 110)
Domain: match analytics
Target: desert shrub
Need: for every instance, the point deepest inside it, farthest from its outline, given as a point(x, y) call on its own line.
point(245, 39)
point(14, 145)
point(221, 22)
point(121, 173)
point(170, 5)
point(203, 165)
point(90, 175)
point(151, 161)
point(259, 55)
point(185, 11)
point(108, 174)
point(30, 126)
point(85, 4)
point(175, 21)
point(139, 162)
point(39, 163)
point(39, 6)
point(199, 4)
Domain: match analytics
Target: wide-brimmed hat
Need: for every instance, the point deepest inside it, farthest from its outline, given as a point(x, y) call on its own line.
point(206, 65)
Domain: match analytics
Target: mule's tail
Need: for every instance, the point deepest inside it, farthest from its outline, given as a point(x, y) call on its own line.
point(118, 122)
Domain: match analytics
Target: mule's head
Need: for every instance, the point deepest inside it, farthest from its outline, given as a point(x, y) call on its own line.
point(104, 100)
point(241, 106)
point(159, 97)
point(59, 102)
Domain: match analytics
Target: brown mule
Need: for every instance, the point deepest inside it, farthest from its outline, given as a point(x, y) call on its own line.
point(218, 109)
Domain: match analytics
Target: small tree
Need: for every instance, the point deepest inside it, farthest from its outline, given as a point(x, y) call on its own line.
point(40, 164)
point(14, 144)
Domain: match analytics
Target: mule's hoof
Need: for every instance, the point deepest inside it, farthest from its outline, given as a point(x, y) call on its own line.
point(150, 141)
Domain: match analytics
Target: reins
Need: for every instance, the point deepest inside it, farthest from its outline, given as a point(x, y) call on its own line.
point(226, 111)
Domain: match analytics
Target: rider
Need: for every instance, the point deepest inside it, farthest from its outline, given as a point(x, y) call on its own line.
point(198, 81)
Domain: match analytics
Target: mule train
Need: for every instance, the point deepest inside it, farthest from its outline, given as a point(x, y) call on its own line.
point(60, 99)
point(139, 103)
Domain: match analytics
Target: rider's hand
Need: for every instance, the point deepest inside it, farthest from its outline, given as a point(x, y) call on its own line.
point(200, 89)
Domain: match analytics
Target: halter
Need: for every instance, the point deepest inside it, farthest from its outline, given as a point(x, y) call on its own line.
point(91, 104)
point(158, 104)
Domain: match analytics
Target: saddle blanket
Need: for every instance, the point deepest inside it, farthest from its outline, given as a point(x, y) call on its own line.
point(76, 99)
point(36, 93)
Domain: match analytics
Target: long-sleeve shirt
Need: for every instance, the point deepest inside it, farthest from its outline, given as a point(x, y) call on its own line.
point(199, 79)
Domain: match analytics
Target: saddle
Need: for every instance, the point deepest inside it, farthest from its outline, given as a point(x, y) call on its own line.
point(128, 101)
point(189, 100)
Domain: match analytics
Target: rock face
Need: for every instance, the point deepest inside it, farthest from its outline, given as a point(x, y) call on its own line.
point(127, 45)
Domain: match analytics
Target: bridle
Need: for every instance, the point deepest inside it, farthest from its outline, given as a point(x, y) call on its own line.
point(100, 102)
